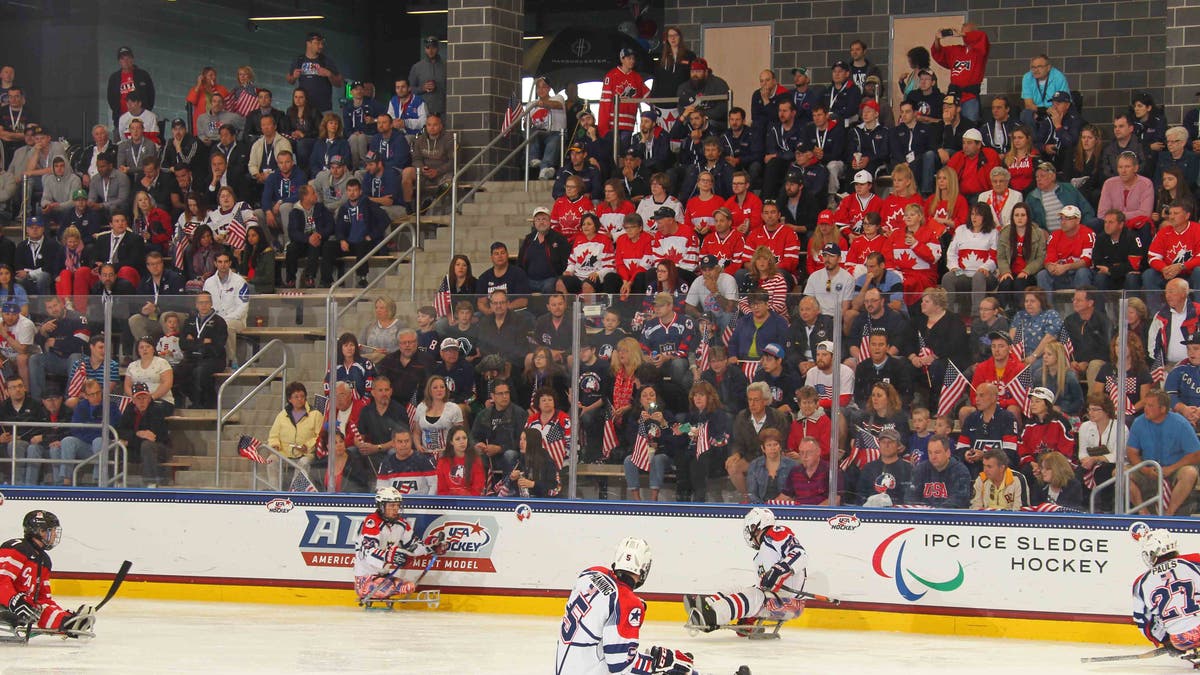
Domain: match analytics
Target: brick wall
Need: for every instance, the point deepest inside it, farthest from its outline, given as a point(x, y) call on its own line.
point(1105, 48)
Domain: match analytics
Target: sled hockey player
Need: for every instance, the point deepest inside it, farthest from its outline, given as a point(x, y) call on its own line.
point(1165, 605)
point(25, 599)
point(781, 562)
point(385, 541)
point(603, 619)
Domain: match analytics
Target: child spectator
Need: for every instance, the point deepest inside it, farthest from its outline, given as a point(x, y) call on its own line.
point(918, 440)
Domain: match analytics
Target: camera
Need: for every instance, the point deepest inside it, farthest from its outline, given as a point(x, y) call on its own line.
point(652, 408)
point(947, 32)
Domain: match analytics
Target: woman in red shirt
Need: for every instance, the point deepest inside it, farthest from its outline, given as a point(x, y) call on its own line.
point(700, 209)
point(201, 94)
point(1020, 159)
point(613, 209)
point(634, 251)
point(904, 192)
point(872, 240)
point(946, 207)
point(459, 470)
point(916, 250)
point(151, 223)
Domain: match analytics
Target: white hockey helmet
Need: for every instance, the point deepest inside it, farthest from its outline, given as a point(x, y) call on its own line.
point(633, 556)
point(757, 519)
point(1157, 544)
point(388, 495)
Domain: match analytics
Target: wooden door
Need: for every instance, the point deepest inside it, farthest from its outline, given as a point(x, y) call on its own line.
point(737, 54)
point(911, 31)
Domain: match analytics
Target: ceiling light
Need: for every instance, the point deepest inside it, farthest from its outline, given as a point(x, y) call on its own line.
point(428, 11)
point(533, 37)
point(310, 17)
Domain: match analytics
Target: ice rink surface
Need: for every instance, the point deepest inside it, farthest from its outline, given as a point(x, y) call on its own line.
point(141, 636)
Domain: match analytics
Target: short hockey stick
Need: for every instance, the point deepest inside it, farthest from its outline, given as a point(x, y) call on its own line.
point(118, 578)
point(1126, 657)
point(811, 596)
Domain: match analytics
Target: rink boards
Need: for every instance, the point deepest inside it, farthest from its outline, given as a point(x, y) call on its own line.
point(1053, 576)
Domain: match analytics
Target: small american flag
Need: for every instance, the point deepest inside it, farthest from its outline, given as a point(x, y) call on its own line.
point(824, 393)
point(1158, 372)
point(1110, 386)
point(749, 368)
point(244, 103)
point(642, 452)
point(75, 386)
point(1049, 507)
point(512, 114)
point(248, 447)
point(441, 301)
point(302, 483)
point(865, 449)
point(1018, 345)
point(555, 439)
point(411, 410)
point(1064, 338)
point(703, 444)
point(727, 335)
point(1019, 388)
point(702, 355)
point(953, 386)
point(235, 236)
point(864, 346)
point(1165, 491)
point(121, 401)
point(182, 244)
point(3, 386)
point(610, 441)
point(321, 402)
point(923, 350)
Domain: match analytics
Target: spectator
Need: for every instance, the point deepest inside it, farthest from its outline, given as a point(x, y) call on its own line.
point(974, 163)
point(1001, 199)
point(1056, 483)
point(1098, 439)
point(109, 190)
point(883, 409)
point(713, 293)
point(502, 276)
point(358, 227)
point(58, 188)
point(85, 162)
point(17, 338)
point(265, 154)
point(1138, 381)
point(1178, 318)
point(1038, 87)
point(378, 422)
point(406, 368)
point(991, 318)
point(407, 109)
point(783, 383)
point(940, 481)
point(1045, 429)
point(316, 73)
point(310, 226)
point(596, 148)
point(1058, 132)
point(1037, 324)
point(203, 342)
point(625, 82)
point(777, 237)
point(1068, 253)
point(669, 340)
point(821, 377)
point(989, 426)
point(997, 133)
point(916, 251)
point(86, 219)
point(229, 166)
point(850, 212)
point(29, 442)
point(812, 173)
point(544, 253)
point(534, 475)
point(746, 444)
point(967, 63)
point(755, 328)
point(888, 475)
point(257, 264)
point(410, 472)
point(1169, 439)
point(648, 422)
point(497, 429)
point(704, 83)
point(1119, 258)
point(971, 258)
point(383, 330)
point(948, 131)
point(200, 96)
point(1150, 127)
point(62, 337)
point(1086, 169)
point(590, 263)
point(591, 183)
point(343, 470)
point(1124, 140)
point(839, 284)
point(1053, 372)
point(126, 80)
point(568, 209)
point(649, 153)
point(281, 191)
point(354, 368)
point(743, 144)
point(208, 125)
point(266, 108)
point(808, 483)
point(878, 365)
point(1090, 332)
point(842, 97)
point(459, 471)
point(428, 76)
point(941, 337)
point(81, 444)
point(331, 183)
point(390, 145)
point(768, 475)
point(1183, 383)
point(782, 139)
point(38, 259)
point(1049, 197)
point(1177, 155)
point(245, 90)
point(433, 158)
point(1173, 187)
point(918, 60)
point(151, 371)
point(804, 335)
point(230, 294)
point(504, 332)
point(143, 428)
point(151, 223)
point(745, 208)
point(303, 125)
point(1021, 158)
point(999, 488)
point(705, 428)
point(926, 97)
point(1173, 250)
point(382, 187)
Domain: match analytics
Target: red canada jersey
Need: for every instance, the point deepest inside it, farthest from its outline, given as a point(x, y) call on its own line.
point(632, 257)
point(850, 212)
point(1064, 249)
point(749, 211)
point(612, 221)
point(681, 248)
point(25, 570)
point(922, 255)
point(1170, 247)
point(566, 214)
point(892, 211)
point(782, 242)
point(729, 249)
point(864, 246)
point(698, 214)
point(966, 62)
point(628, 86)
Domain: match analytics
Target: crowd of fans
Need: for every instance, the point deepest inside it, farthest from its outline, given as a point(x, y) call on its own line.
point(966, 256)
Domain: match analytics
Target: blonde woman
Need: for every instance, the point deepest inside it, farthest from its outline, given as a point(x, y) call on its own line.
point(1053, 371)
point(763, 275)
point(1056, 482)
point(946, 206)
point(625, 361)
point(904, 192)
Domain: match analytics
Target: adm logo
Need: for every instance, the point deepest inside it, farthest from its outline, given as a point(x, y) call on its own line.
point(911, 585)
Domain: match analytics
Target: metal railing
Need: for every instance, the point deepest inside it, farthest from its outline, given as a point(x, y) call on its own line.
point(265, 481)
point(453, 185)
point(280, 370)
point(401, 256)
point(728, 96)
point(120, 470)
point(24, 204)
point(1118, 507)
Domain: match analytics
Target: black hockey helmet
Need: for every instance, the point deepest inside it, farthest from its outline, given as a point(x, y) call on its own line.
point(44, 526)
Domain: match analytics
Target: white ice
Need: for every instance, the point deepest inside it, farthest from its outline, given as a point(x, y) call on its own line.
point(141, 636)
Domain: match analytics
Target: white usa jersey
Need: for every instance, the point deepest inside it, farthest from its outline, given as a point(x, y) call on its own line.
point(600, 628)
point(779, 544)
point(377, 538)
point(1164, 598)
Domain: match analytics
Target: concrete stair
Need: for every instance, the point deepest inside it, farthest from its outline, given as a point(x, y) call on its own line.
point(501, 212)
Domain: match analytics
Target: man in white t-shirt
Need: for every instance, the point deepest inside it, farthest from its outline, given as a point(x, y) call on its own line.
point(231, 299)
point(17, 334)
point(713, 292)
point(820, 377)
point(832, 284)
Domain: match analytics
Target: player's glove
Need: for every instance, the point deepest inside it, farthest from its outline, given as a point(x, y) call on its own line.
point(667, 661)
point(437, 543)
point(25, 612)
point(80, 622)
point(775, 576)
point(396, 556)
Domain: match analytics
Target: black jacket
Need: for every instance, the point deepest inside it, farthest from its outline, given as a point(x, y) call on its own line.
point(237, 161)
point(1121, 255)
point(322, 220)
point(895, 371)
point(30, 411)
point(254, 122)
point(49, 257)
point(154, 419)
point(557, 246)
point(131, 252)
point(799, 343)
point(142, 84)
point(191, 340)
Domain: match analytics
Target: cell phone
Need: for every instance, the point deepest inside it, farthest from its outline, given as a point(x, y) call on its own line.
point(947, 32)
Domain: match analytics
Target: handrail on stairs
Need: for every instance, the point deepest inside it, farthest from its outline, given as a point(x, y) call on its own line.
point(409, 255)
point(265, 481)
point(280, 370)
point(1119, 508)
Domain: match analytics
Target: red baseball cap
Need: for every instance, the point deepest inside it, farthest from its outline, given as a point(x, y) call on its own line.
point(869, 103)
point(825, 217)
point(699, 64)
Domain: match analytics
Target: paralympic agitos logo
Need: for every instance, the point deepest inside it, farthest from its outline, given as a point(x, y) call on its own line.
point(911, 585)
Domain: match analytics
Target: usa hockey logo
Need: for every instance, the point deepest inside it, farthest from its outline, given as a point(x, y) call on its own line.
point(911, 585)
point(469, 544)
point(280, 505)
point(844, 521)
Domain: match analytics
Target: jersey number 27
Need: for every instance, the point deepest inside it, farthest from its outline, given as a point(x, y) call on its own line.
point(1161, 598)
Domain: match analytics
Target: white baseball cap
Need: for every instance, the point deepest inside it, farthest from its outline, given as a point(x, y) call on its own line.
point(1070, 211)
point(540, 210)
point(973, 135)
point(863, 177)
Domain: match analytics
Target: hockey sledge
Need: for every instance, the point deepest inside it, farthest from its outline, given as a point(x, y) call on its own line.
point(759, 628)
point(10, 634)
point(430, 599)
